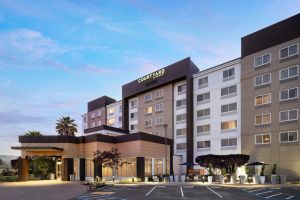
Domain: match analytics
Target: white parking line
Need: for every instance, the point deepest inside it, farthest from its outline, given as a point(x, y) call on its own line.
point(289, 197)
point(274, 195)
point(181, 191)
point(264, 192)
point(150, 190)
point(257, 190)
point(215, 192)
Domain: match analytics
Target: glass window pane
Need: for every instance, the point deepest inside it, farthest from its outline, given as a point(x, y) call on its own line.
point(232, 106)
point(258, 119)
point(293, 71)
point(284, 53)
point(266, 58)
point(284, 74)
point(232, 89)
point(258, 139)
point(224, 108)
point(293, 93)
point(293, 50)
point(293, 114)
point(267, 98)
point(258, 61)
point(266, 119)
point(284, 116)
point(266, 138)
point(258, 80)
point(258, 100)
point(266, 78)
point(284, 95)
point(293, 136)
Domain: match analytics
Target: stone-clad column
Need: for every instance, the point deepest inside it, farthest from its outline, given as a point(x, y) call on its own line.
point(67, 168)
point(23, 169)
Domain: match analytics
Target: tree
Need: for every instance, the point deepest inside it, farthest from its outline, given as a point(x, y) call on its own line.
point(1, 162)
point(33, 133)
point(41, 167)
point(66, 126)
point(110, 159)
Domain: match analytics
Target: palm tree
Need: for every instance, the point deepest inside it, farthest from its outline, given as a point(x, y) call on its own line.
point(33, 133)
point(66, 126)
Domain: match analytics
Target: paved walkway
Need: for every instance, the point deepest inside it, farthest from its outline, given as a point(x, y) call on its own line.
point(41, 190)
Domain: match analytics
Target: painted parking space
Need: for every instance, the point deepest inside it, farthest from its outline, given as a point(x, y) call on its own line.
point(274, 193)
point(161, 192)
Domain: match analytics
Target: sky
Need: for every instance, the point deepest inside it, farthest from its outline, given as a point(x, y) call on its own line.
point(55, 56)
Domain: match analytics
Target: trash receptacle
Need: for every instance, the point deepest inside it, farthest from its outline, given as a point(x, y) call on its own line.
point(72, 177)
point(52, 176)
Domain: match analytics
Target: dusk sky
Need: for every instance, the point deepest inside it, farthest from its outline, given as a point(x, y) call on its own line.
point(55, 56)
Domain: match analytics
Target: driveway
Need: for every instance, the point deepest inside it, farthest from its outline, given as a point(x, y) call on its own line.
point(41, 190)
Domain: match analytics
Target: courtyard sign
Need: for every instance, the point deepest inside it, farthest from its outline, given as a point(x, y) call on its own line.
point(152, 76)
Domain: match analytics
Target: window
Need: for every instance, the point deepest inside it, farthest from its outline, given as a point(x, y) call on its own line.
point(159, 93)
point(262, 60)
point(288, 94)
point(93, 124)
point(203, 144)
point(203, 128)
point(288, 115)
point(148, 97)
point(120, 119)
point(98, 113)
point(133, 127)
point(263, 99)
point(93, 115)
point(134, 103)
point(181, 88)
point(159, 107)
point(228, 90)
point(133, 115)
point(120, 108)
point(148, 110)
point(203, 97)
point(229, 125)
point(159, 120)
point(181, 132)
point(228, 73)
point(289, 136)
point(262, 79)
point(230, 142)
point(148, 123)
point(263, 138)
point(289, 72)
point(181, 146)
point(98, 123)
point(84, 119)
point(181, 117)
point(288, 51)
point(202, 82)
point(111, 121)
point(229, 107)
point(203, 113)
point(111, 111)
point(263, 119)
point(180, 103)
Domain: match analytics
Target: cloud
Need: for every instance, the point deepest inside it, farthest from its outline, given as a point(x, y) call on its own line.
point(107, 24)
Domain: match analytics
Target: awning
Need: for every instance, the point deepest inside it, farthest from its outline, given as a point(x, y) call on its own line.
point(36, 148)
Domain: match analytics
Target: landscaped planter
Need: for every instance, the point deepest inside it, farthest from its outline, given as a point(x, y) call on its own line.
point(282, 179)
point(209, 179)
point(171, 178)
point(176, 178)
point(262, 179)
point(256, 179)
point(182, 178)
point(146, 179)
point(273, 178)
point(233, 179)
point(242, 179)
point(221, 179)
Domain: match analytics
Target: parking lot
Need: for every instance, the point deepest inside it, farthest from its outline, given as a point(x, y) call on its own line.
point(137, 192)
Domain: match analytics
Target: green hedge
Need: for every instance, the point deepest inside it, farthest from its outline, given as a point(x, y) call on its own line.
point(8, 178)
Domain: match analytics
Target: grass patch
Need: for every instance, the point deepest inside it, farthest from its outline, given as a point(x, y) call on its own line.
point(8, 178)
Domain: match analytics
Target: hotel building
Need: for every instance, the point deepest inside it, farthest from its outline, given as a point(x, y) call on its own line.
point(248, 105)
point(270, 96)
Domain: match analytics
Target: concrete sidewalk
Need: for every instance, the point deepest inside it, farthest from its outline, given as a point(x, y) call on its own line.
point(41, 190)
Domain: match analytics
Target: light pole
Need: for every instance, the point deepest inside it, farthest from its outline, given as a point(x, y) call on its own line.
point(166, 147)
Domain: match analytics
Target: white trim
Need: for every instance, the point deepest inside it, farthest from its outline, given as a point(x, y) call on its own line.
point(262, 80)
point(203, 97)
point(262, 138)
point(229, 139)
point(222, 96)
point(288, 47)
point(287, 68)
point(288, 134)
point(228, 77)
point(288, 115)
point(262, 99)
point(229, 111)
point(148, 95)
point(288, 94)
point(262, 60)
point(263, 119)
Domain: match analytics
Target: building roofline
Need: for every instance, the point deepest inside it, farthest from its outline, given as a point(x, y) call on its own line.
point(217, 67)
